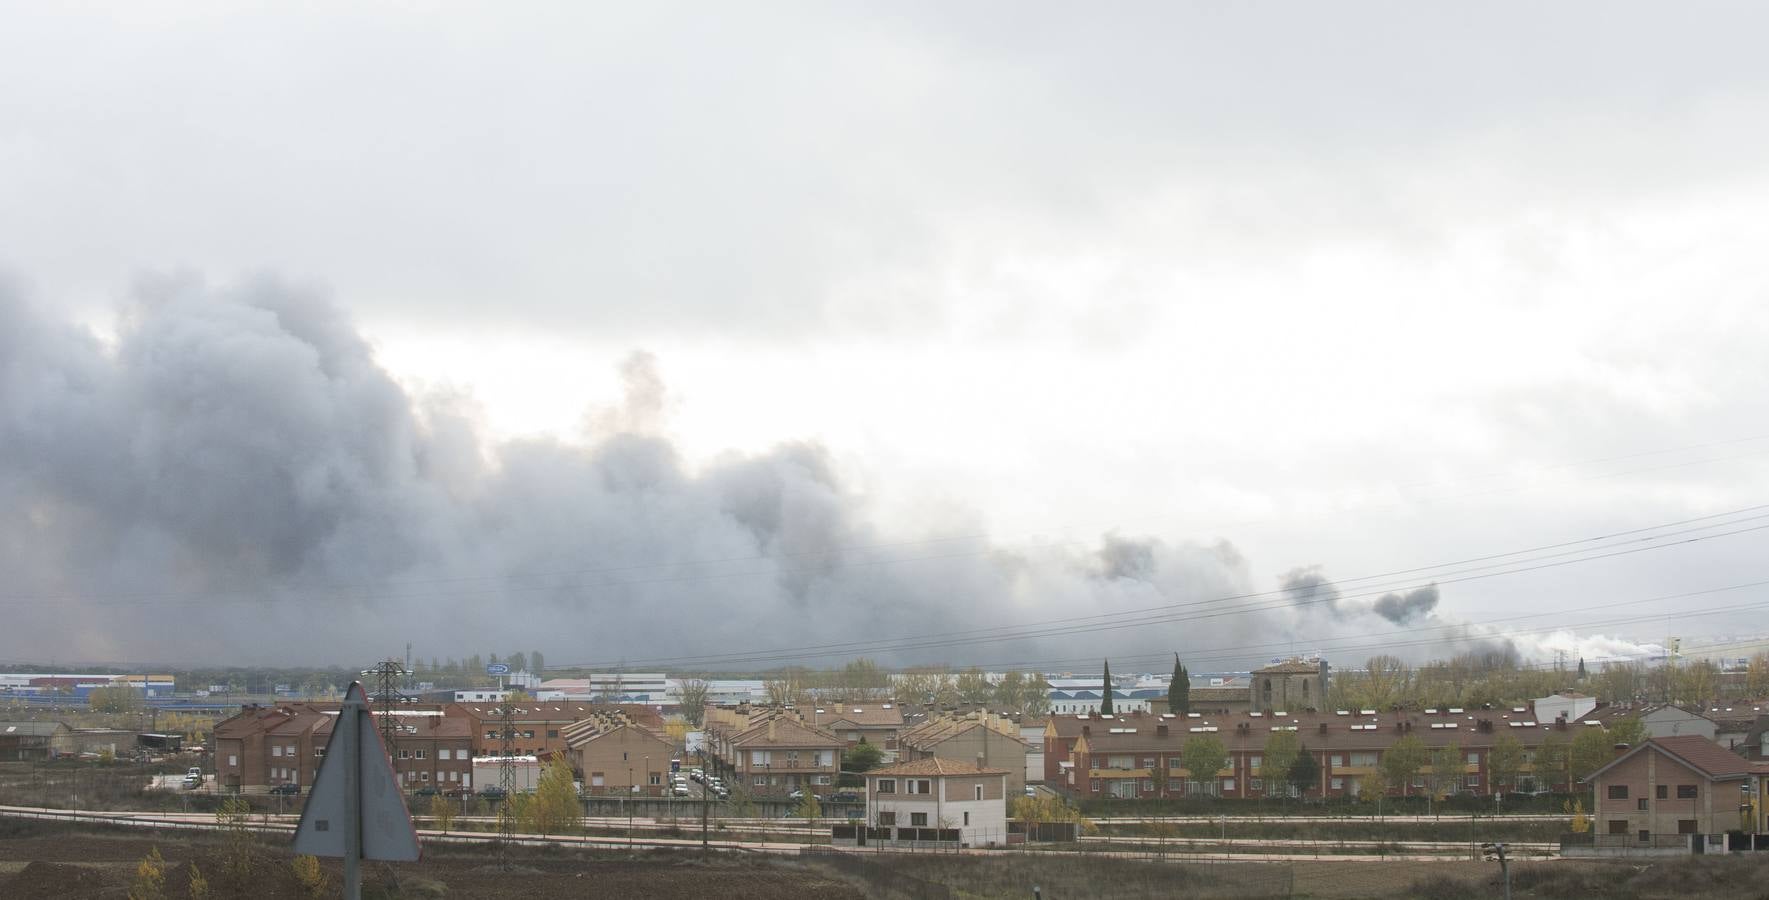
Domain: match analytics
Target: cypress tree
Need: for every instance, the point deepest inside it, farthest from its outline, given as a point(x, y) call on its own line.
point(1179, 690)
point(1105, 697)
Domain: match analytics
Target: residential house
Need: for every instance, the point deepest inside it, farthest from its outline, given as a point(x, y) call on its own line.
point(537, 726)
point(877, 724)
point(1658, 793)
point(1672, 721)
point(1032, 735)
point(780, 754)
point(1141, 755)
point(613, 755)
point(284, 744)
point(939, 800)
point(982, 738)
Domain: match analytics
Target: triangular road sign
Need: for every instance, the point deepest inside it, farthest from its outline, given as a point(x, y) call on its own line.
point(360, 784)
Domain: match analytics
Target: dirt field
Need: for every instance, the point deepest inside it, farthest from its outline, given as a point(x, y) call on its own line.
point(81, 865)
point(46, 861)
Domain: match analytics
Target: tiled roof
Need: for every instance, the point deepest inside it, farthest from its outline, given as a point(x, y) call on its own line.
point(32, 729)
point(1693, 750)
point(865, 715)
point(934, 765)
point(785, 733)
point(1245, 731)
point(934, 731)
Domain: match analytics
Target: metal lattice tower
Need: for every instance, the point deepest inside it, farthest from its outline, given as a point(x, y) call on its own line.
point(388, 675)
point(506, 779)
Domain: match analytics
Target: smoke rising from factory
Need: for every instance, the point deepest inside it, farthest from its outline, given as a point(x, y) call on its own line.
point(234, 477)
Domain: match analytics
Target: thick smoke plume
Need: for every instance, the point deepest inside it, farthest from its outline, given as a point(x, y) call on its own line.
point(1402, 608)
point(233, 478)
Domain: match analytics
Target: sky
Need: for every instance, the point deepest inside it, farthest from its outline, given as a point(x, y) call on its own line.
point(684, 334)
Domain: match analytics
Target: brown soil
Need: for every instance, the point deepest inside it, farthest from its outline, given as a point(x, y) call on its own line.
point(43, 866)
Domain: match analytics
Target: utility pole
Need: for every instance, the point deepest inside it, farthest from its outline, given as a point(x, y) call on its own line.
point(1497, 851)
point(388, 675)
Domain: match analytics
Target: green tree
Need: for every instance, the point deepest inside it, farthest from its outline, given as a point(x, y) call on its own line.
point(1305, 772)
point(150, 877)
point(808, 807)
point(862, 679)
point(1630, 731)
point(1011, 692)
point(1504, 761)
point(442, 812)
point(1279, 755)
point(1581, 668)
point(554, 806)
point(199, 886)
point(1590, 750)
point(1105, 695)
point(1403, 760)
point(862, 757)
point(310, 876)
point(537, 663)
point(1446, 770)
point(1553, 764)
point(1203, 756)
point(1179, 690)
point(119, 698)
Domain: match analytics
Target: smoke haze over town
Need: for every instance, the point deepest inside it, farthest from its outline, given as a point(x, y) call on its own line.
point(810, 326)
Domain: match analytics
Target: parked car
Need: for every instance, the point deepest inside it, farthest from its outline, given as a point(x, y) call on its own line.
point(288, 788)
point(798, 794)
point(492, 793)
point(425, 791)
point(680, 790)
point(844, 797)
point(1031, 791)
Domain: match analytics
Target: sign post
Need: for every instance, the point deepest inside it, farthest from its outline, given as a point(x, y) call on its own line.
point(356, 810)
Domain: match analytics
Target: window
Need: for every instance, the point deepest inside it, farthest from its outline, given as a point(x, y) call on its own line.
point(454, 776)
point(1686, 826)
point(917, 786)
point(1473, 782)
point(1254, 761)
point(761, 781)
point(820, 779)
point(319, 751)
point(491, 735)
point(758, 757)
point(597, 779)
point(887, 819)
point(1644, 836)
point(967, 818)
point(1474, 759)
point(1256, 784)
point(1338, 784)
point(917, 820)
point(1366, 758)
point(289, 750)
point(232, 760)
point(1618, 792)
point(1174, 762)
point(1148, 786)
point(276, 750)
point(552, 732)
point(442, 754)
point(1641, 803)
point(1228, 784)
point(529, 733)
point(1664, 791)
point(979, 789)
point(887, 785)
point(424, 775)
point(1685, 792)
point(1618, 826)
point(656, 779)
point(419, 754)
point(1336, 760)
point(1094, 785)
point(405, 754)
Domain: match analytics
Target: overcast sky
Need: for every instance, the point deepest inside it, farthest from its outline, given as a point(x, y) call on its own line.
point(1359, 286)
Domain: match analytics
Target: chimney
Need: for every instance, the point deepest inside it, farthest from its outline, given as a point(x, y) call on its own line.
point(1086, 729)
point(1161, 729)
point(770, 729)
point(1323, 728)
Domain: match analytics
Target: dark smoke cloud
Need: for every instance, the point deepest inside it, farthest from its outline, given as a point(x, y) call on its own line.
point(234, 478)
point(1308, 589)
point(1403, 608)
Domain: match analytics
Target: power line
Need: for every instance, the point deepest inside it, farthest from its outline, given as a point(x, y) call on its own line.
point(1161, 614)
point(214, 597)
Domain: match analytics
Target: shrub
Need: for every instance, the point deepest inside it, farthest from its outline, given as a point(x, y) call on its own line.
point(150, 877)
point(309, 875)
